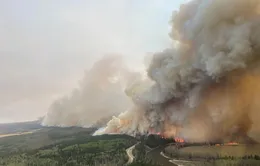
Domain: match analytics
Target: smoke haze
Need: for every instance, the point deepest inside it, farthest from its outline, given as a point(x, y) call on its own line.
point(47, 45)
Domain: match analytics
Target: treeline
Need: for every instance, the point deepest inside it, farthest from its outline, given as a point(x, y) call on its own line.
point(81, 139)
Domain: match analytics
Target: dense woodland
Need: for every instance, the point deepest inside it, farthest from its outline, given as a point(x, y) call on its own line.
point(71, 146)
point(64, 147)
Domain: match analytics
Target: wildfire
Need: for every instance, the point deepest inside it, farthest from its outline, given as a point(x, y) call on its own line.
point(228, 144)
point(232, 143)
point(152, 131)
point(179, 140)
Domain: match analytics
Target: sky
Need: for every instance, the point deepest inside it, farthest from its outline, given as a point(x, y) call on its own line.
point(46, 45)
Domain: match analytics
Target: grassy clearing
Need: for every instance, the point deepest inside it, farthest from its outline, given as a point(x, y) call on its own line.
point(223, 163)
point(217, 155)
point(221, 151)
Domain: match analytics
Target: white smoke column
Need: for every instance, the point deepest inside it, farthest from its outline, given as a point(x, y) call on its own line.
point(100, 95)
point(214, 37)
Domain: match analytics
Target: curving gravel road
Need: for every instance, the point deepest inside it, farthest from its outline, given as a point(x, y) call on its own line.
point(129, 152)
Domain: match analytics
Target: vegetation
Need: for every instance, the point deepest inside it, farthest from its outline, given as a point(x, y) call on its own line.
point(74, 146)
point(220, 152)
point(65, 147)
point(217, 155)
point(154, 141)
point(219, 163)
point(145, 145)
point(41, 138)
point(142, 163)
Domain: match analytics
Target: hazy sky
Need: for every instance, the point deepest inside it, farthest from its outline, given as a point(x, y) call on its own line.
point(46, 45)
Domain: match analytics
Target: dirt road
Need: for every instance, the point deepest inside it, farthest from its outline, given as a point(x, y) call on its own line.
point(130, 155)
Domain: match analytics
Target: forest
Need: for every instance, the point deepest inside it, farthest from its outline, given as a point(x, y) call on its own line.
point(72, 146)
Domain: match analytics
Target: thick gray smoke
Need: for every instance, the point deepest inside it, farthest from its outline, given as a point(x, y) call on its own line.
point(100, 95)
point(195, 84)
point(205, 87)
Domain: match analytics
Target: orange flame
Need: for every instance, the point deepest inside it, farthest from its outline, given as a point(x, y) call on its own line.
point(179, 140)
point(228, 144)
point(232, 143)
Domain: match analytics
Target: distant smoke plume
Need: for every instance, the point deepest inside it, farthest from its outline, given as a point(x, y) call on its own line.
point(205, 87)
point(100, 95)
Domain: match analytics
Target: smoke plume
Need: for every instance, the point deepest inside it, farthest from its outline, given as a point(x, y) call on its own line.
point(206, 86)
point(99, 96)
